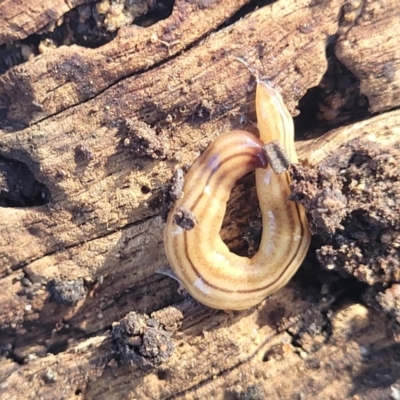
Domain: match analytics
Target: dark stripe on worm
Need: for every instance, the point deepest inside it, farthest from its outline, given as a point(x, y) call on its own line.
point(224, 161)
point(197, 273)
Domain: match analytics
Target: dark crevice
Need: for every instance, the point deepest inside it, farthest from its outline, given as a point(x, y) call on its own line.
point(88, 25)
point(317, 321)
point(58, 347)
point(245, 10)
point(247, 227)
point(18, 186)
point(162, 10)
point(336, 101)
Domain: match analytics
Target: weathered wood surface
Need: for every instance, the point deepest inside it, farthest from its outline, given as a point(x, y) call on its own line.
point(371, 51)
point(59, 79)
point(103, 223)
point(20, 19)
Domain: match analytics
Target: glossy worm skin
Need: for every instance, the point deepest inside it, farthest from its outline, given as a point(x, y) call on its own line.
point(200, 259)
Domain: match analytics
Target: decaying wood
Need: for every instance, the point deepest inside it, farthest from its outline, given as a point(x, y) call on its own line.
point(21, 19)
point(103, 129)
point(58, 80)
point(379, 76)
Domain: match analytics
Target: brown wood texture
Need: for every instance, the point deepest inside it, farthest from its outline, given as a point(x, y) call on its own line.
point(19, 19)
point(68, 116)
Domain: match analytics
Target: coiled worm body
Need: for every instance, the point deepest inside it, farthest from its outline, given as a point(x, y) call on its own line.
point(200, 259)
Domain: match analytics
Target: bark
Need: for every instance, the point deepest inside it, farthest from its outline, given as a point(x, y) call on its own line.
point(89, 140)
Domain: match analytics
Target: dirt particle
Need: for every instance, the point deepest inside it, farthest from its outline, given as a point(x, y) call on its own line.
point(170, 317)
point(319, 190)
point(26, 282)
point(143, 140)
point(50, 376)
point(352, 202)
point(46, 45)
point(141, 340)
point(67, 292)
point(277, 157)
point(311, 332)
point(185, 219)
point(83, 153)
point(252, 392)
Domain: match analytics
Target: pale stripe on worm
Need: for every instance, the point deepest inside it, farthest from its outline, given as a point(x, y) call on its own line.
point(200, 259)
